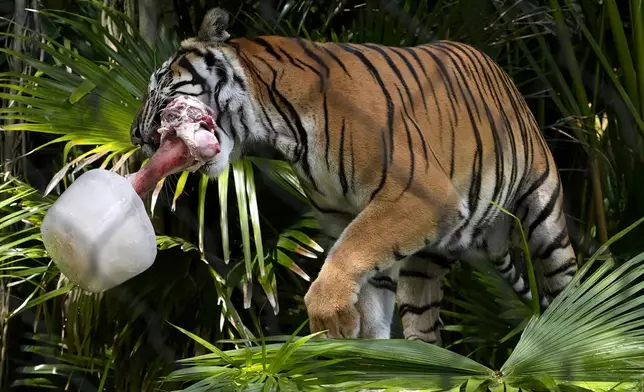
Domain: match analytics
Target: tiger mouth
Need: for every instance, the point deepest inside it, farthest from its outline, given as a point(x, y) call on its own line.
point(187, 141)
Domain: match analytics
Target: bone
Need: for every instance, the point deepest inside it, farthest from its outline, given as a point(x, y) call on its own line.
point(187, 143)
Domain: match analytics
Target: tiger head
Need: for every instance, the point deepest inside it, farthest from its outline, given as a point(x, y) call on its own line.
point(202, 67)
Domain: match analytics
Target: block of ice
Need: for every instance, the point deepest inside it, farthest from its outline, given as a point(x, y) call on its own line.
point(98, 231)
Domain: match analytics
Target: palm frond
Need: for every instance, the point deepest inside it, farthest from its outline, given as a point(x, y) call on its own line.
point(305, 363)
point(592, 332)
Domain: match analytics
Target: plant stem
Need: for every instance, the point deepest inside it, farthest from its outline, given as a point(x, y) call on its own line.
point(602, 232)
point(623, 52)
point(637, 11)
point(582, 98)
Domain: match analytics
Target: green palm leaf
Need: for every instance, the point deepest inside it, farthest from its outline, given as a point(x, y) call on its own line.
point(591, 332)
point(311, 364)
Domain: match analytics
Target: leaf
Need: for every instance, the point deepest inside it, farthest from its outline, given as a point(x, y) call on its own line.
point(155, 194)
point(287, 262)
point(303, 238)
point(242, 204)
point(85, 88)
point(203, 186)
point(179, 189)
point(222, 183)
point(590, 332)
point(124, 159)
point(207, 345)
point(291, 245)
point(350, 364)
point(254, 215)
point(30, 303)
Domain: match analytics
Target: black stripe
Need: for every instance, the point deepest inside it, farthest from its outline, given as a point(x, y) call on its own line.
point(570, 263)
point(420, 133)
point(415, 274)
point(242, 119)
point(437, 259)
point(504, 270)
point(417, 310)
point(413, 73)
point(545, 211)
point(522, 114)
point(270, 123)
point(383, 177)
point(237, 79)
point(193, 50)
point(342, 174)
point(536, 184)
point(498, 147)
point(291, 59)
point(412, 155)
point(447, 83)
point(314, 56)
point(383, 282)
point(189, 67)
point(336, 59)
point(515, 278)
point(183, 83)
point(451, 55)
point(209, 59)
point(523, 292)
point(439, 110)
point(477, 162)
point(431, 329)
point(272, 97)
point(394, 68)
point(390, 111)
point(556, 243)
point(353, 163)
point(326, 131)
point(269, 48)
point(314, 70)
point(297, 130)
point(222, 77)
point(330, 211)
point(495, 89)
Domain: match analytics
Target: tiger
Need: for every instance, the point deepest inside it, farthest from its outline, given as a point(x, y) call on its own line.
point(408, 156)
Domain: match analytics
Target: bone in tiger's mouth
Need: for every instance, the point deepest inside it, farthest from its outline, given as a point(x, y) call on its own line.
point(187, 142)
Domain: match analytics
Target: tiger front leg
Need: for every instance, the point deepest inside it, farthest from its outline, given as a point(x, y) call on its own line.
point(379, 236)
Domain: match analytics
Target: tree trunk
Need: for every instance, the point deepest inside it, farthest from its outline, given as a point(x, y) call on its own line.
point(10, 141)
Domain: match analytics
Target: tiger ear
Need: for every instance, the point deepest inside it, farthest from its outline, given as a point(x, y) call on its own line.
point(214, 25)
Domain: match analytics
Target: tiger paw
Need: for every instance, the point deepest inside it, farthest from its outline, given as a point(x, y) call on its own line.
point(330, 304)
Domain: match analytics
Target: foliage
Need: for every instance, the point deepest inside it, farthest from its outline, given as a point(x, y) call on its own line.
point(589, 336)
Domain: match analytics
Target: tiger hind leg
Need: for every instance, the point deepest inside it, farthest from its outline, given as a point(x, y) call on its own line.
point(419, 296)
point(545, 228)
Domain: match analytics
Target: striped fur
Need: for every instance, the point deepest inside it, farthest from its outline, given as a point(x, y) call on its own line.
point(400, 151)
